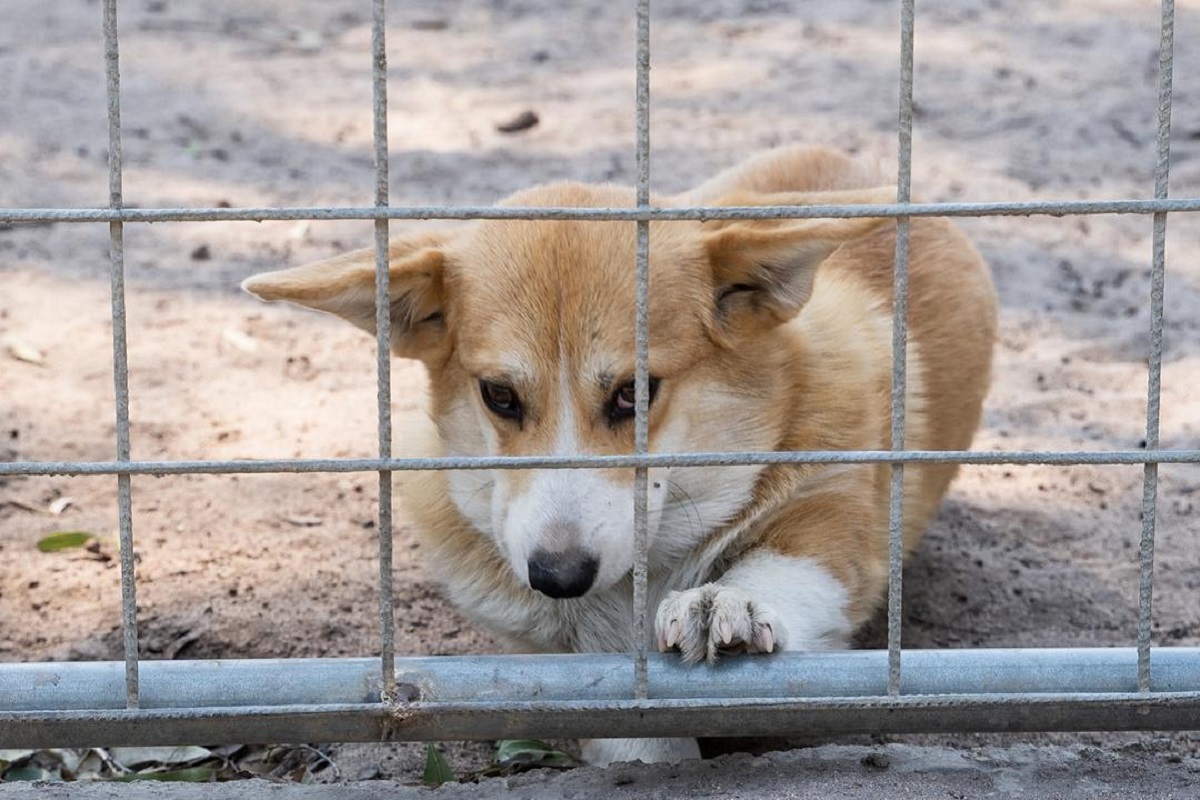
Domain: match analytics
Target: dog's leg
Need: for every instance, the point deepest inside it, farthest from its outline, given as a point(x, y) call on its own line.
point(765, 603)
point(602, 752)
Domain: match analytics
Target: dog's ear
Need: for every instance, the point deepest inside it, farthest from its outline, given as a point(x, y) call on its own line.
point(763, 270)
point(345, 286)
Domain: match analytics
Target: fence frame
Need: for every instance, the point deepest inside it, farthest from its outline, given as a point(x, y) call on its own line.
point(55, 704)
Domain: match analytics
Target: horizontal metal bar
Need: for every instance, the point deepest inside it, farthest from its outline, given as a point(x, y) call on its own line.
point(434, 722)
point(56, 686)
point(487, 697)
point(651, 460)
point(591, 677)
point(1056, 208)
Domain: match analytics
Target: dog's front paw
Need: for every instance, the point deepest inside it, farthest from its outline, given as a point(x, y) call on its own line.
point(703, 622)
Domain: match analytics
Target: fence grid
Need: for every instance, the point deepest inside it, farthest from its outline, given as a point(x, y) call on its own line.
point(639, 693)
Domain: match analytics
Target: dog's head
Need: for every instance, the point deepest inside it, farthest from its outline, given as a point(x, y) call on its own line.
point(527, 331)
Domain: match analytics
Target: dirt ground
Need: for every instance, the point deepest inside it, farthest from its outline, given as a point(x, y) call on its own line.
point(832, 772)
point(264, 102)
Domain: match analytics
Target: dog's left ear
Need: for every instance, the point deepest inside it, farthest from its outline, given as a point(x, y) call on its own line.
point(345, 286)
point(763, 270)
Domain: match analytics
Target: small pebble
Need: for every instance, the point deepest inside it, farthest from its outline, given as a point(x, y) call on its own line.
point(876, 761)
point(521, 122)
point(624, 779)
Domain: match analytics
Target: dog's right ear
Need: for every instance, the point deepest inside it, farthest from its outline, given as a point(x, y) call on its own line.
point(763, 269)
point(345, 286)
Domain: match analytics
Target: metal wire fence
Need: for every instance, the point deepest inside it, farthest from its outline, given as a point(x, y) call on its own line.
point(639, 694)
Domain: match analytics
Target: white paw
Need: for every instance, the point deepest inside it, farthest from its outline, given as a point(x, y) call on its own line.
point(712, 619)
point(603, 752)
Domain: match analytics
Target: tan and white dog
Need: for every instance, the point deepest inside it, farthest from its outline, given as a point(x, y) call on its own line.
point(764, 336)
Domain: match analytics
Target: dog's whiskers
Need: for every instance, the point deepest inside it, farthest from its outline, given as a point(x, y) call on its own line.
point(486, 485)
point(679, 496)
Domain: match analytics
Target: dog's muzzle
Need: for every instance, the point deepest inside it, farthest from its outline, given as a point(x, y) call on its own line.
point(569, 573)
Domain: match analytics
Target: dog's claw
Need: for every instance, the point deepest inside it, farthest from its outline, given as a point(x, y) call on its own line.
point(674, 634)
point(725, 629)
point(711, 620)
point(765, 639)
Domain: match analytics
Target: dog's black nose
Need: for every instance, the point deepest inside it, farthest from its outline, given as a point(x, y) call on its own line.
point(559, 575)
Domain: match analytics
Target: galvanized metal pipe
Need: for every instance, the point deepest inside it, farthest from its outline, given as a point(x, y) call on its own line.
point(81, 704)
point(429, 721)
point(498, 680)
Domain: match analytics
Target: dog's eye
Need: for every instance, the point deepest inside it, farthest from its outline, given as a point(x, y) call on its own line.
point(501, 399)
point(622, 404)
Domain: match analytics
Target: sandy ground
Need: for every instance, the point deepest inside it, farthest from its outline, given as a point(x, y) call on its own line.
point(829, 772)
point(262, 102)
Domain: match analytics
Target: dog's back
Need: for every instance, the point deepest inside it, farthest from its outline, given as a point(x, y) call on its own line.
point(841, 364)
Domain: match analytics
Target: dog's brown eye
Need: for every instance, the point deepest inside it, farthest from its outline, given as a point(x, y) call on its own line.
point(622, 404)
point(500, 399)
point(626, 397)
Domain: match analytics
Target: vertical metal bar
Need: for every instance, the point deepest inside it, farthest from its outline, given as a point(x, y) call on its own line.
point(642, 354)
point(1162, 169)
point(116, 250)
point(383, 332)
point(899, 347)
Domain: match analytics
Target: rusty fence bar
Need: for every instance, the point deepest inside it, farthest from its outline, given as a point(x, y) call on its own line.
point(639, 694)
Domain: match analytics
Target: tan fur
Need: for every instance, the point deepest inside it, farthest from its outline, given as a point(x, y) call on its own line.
point(754, 346)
